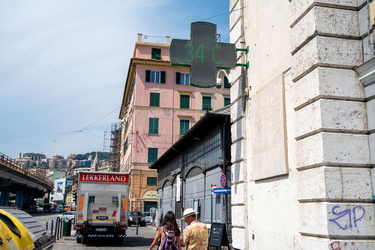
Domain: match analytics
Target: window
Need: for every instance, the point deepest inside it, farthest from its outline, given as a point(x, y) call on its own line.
point(156, 53)
point(184, 126)
point(183, 79)
point(184, 101)
point(155, 76)
point(226, 101)
point(91, 199)
point(226, 83)
point(126, 145)
point(152, 181)
point(155, 99)
point(153, 126)
point(206, 103)
point(152, 155)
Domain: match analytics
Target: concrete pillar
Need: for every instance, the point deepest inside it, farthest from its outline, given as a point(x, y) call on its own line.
point(4, 196)
point(19, 198)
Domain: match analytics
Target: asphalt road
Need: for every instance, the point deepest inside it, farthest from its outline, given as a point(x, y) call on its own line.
point(142, 241)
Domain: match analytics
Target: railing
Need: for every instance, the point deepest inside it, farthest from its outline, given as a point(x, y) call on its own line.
point(11, 163)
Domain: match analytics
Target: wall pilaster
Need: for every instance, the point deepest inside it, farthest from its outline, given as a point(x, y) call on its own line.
point(333, 157)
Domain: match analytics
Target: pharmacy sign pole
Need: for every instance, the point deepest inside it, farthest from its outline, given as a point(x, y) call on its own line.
point(203, 54)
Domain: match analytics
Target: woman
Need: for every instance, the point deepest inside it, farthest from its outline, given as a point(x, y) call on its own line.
point(168, 227)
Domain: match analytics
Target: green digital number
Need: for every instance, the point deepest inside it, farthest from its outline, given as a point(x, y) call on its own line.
point(189, 52)
point(214, 48)
point(199, 53)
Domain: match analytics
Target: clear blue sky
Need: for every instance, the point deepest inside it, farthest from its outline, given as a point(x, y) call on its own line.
point(63, 65)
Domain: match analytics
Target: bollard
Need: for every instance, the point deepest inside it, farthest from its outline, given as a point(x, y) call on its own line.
point(136, 230)
point(52, 227)
point(47, 226)
point(61, 228)
point(57, 235)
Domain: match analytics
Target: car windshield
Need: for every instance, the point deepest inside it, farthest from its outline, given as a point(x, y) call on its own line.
point(146, 213)
point(135, 213)
point(70, 213)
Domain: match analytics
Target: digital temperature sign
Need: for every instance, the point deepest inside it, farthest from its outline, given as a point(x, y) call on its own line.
point(203, 54)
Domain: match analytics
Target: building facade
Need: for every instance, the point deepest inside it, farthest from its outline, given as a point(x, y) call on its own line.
point(159, 106)
point(303, 147)
point(190, 173)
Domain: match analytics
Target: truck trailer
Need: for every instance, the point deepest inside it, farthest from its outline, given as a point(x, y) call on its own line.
point(102, 205)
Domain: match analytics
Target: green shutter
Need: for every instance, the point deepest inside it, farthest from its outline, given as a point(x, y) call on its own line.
point(148, 75)
point(152, 181)
point(156, 53)
point(226, 83)
point(185, 101)
point(226, 101)
point(152, 155)
point(206, 103)
point(178, 78)
point(154, 99)
point(162, 77)
point(153, 126)
point(184, 126)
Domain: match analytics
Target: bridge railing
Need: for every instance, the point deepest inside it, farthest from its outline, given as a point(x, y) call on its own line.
point(13, 164)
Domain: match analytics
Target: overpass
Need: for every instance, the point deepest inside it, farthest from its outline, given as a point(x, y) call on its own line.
point(15, 180)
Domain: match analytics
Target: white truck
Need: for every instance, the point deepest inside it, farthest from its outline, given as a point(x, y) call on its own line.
point(102, 205)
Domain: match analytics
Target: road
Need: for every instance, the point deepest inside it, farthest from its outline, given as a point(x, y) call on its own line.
point(140, 241)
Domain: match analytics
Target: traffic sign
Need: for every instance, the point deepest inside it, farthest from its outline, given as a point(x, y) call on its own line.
point(223, 180)
point(222, 190)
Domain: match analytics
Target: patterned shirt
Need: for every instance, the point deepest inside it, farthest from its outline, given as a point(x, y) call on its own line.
point(196, 236)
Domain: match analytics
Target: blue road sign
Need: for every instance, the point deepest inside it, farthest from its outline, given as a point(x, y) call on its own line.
point(222, 190)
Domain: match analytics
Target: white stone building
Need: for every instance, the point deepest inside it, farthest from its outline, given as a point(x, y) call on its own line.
point(303, 115)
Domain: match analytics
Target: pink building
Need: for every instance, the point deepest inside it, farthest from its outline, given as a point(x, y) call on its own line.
point(158, 107)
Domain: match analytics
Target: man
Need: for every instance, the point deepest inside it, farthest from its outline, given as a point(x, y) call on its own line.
point(195, 235)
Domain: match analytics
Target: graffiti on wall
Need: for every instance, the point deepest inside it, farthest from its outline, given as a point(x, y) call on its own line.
point(347, 218)
point(337, 245)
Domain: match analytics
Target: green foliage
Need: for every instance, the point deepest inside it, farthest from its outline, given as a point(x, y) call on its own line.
point(101, 156)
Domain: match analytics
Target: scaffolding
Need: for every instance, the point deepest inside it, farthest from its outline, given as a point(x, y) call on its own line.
point(115, 147)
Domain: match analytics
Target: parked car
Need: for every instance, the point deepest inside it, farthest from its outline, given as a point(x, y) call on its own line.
point(136, 216)
point(20, 231)
point(148, 217)
point(69, 215)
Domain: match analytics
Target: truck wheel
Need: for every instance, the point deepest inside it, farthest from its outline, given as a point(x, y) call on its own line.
point(79, 240)
point(84, 240)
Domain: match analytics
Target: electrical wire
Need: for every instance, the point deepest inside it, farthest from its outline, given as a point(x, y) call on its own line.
point(66, 132)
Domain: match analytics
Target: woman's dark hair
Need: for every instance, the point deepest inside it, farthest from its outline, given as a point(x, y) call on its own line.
point(170, 222)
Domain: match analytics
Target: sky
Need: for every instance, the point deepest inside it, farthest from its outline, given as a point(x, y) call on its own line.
point(63, 65)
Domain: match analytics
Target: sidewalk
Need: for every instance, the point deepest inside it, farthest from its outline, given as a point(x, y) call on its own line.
point(67, 242)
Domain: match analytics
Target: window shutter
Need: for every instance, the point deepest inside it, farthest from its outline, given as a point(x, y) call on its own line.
point(178, 78)
point(226, 83)
point(153, 126)
point(185, 101)
point(162, 77)
point(152, 155)
point(154, 99)
point(148, 75)
point(155, 53)
point(206, 103)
